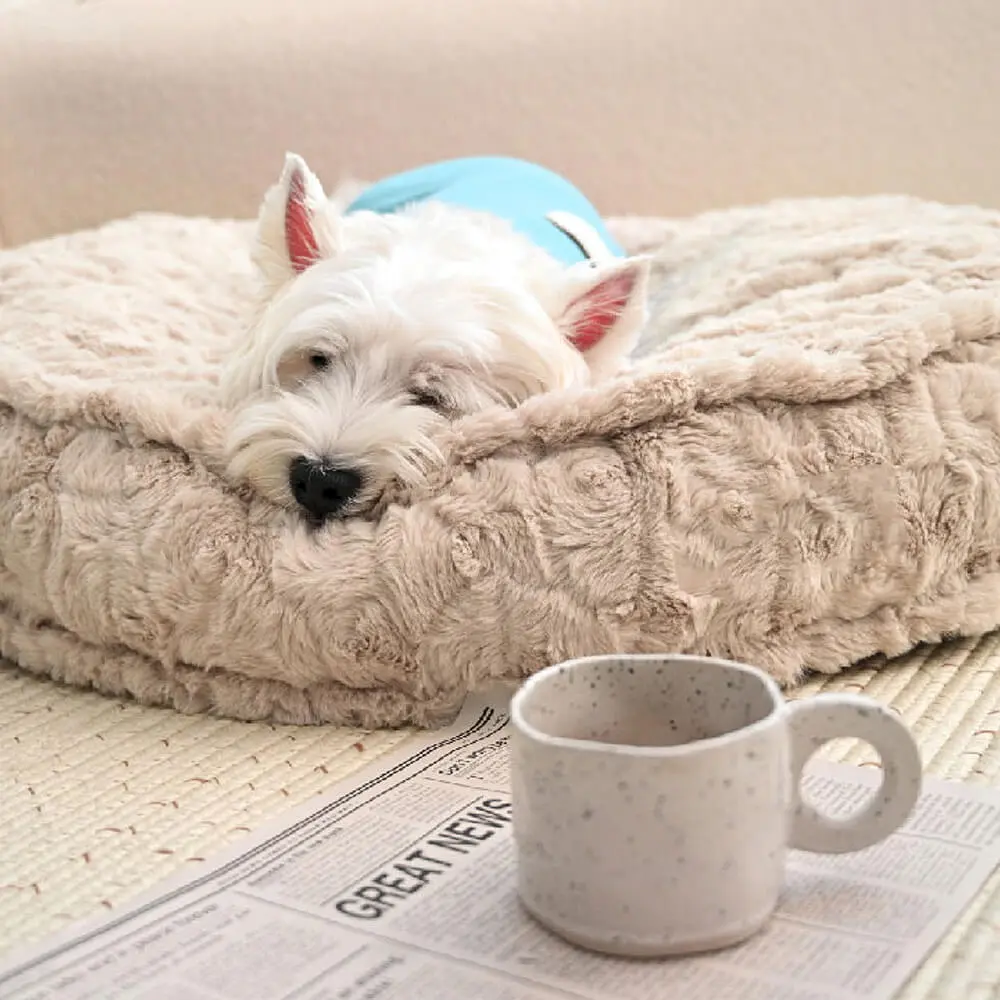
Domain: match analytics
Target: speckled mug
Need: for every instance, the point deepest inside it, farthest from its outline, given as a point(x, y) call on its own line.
point(655, 797)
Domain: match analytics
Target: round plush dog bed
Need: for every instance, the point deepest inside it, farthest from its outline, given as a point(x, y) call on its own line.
point(804, 472)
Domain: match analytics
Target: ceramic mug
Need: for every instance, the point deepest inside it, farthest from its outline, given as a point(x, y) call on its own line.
point(655, 797)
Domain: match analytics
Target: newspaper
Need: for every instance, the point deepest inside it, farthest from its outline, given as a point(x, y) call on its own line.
point(400, 883)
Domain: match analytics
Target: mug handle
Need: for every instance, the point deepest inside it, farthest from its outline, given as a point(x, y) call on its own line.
point(822, 718)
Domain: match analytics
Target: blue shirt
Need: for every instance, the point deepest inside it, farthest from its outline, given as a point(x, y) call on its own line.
point(522, 193)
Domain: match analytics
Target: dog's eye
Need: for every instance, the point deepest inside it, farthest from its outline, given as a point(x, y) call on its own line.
point(429, 399)
point(319, 362)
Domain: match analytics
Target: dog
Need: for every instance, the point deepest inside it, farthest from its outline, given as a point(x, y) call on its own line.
point(436, 293)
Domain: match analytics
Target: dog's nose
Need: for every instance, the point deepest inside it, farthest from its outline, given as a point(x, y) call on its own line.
point(320, 489)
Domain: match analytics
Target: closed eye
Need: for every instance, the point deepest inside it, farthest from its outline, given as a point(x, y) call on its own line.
point(430, 399)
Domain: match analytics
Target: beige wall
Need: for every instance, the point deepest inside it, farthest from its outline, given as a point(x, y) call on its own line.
point(653, 106)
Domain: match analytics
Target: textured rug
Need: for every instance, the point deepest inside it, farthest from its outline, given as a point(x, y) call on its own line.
point(805, 472)
point(100, 799)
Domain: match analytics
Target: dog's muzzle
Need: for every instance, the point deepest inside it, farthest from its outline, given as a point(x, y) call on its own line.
point(322, 490)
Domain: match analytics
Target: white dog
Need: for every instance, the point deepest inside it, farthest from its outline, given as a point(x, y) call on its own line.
point(440, 292)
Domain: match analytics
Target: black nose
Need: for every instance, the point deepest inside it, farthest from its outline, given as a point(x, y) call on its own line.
point(320, 489)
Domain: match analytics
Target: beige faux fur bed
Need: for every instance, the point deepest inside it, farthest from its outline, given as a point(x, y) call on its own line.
point(807, 473)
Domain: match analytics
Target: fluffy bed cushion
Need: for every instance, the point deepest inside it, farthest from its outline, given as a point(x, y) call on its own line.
point(805, 473)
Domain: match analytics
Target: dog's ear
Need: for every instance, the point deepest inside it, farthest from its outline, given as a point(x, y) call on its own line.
point(606, 311)
point(295, 227)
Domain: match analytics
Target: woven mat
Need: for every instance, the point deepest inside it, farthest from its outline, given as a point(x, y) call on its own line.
point(100, 799)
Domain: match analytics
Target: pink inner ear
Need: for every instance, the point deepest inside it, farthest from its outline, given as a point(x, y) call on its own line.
point(303, 250)
point(595, 312)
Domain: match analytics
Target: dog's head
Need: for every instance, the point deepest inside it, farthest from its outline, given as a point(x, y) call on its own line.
point(375, 329)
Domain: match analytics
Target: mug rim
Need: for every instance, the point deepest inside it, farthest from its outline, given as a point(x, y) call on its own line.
point(524, 692)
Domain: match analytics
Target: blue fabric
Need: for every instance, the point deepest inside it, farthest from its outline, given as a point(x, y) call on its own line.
point(523, 193)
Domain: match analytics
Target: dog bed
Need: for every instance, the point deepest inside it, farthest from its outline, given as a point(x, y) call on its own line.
point(803, 472)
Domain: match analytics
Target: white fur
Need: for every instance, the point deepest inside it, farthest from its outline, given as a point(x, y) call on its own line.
point(432, 296)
